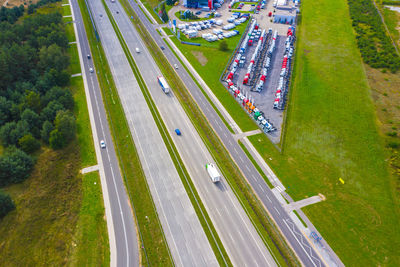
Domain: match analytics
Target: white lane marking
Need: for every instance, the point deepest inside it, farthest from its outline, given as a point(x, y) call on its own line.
point(277, 211)
point(262, 189)
point(268, 199)
point(300, 244)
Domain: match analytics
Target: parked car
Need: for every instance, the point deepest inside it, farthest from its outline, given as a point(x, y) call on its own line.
point(198, 13)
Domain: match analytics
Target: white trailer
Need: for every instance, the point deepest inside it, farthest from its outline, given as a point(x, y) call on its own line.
point(213, 173)
point(163, 83)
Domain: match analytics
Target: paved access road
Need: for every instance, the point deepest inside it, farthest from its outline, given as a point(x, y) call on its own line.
point(238, 235)
point(302, 247)
point(123, 240)
point(185, 236)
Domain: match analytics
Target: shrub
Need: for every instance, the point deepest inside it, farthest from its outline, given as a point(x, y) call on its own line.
point(15, 166)
point(6, 204)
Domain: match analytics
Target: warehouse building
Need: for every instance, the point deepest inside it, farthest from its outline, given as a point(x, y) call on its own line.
point(285, 12)
point(198, 3)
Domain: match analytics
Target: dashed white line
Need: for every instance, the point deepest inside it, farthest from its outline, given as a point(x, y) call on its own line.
point(277, 211)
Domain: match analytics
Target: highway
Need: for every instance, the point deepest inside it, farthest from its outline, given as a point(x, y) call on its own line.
point(238, 235)
point(123, 238)
point(300, 245)
point(185, 236)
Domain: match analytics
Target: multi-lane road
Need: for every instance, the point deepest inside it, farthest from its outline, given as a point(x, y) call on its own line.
point(120, 222)
point(238, 235)
point(295, 238)
point(185, 236)
point(125, 238)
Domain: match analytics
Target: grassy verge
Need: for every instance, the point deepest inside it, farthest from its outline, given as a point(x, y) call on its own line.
point(69, 29)
point(201, 212)
point(202, 90)
point(210, 62)
point(149, 5)
point(90, 245)
point(74, 66)
point(156, 249)
point(262, 222)
point(66, 10)
point(336, 137)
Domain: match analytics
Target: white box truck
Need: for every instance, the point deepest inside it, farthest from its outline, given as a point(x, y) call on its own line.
point(213, 173)
point(163, 83)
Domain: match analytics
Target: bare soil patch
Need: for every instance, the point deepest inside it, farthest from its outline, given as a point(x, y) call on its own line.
point(200, 57)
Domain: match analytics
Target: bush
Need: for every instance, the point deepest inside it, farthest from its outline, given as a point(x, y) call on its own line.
point(223, 46)
point(15, 166)
point(393, 144)
point(28, 143)
point(6, 204)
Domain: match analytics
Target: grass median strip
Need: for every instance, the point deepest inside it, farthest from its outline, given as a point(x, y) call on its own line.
point(264, 225)
point(201, 212)
point(154, 249)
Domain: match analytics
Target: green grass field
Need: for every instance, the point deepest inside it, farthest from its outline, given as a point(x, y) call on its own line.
point(90, 243)
point(332, 133)
point(40, 230)
point(74, 65)
point(392, 19)
point(69, 29)
point(210, 62)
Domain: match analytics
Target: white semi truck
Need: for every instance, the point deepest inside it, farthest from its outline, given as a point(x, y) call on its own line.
point(213, 173)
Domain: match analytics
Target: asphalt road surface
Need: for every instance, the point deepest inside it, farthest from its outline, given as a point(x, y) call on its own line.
point(241, 240)
point(126, 240)
point(187, 241)
point(301, 246)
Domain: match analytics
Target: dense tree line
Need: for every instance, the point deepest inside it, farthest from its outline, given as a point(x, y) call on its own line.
point(35, 105)
point(375, 45)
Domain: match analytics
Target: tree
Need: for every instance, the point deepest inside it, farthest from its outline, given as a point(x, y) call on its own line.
point(33, 121)
point(52, 57)
point(47, 128)
point(11, 132)
point(223, 45)
point(62, 96)
point(6, 204)
point(50, 111)
point(28, 143)
point(32, 101)
point(15, 166)
point(5, 113)
point(164, 15)
point(56, 140)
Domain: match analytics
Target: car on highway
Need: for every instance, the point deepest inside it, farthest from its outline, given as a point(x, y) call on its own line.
point(91, 70)
point(162, 47)
point(176, 66)
point(102, 144)
point(88, 56)
point(178, 132)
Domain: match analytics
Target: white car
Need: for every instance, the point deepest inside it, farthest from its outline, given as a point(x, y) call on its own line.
point(176, 66)
point(91, 70)
point(102, 144)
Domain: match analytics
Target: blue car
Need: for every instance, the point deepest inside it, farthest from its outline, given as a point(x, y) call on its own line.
point(177, 131)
